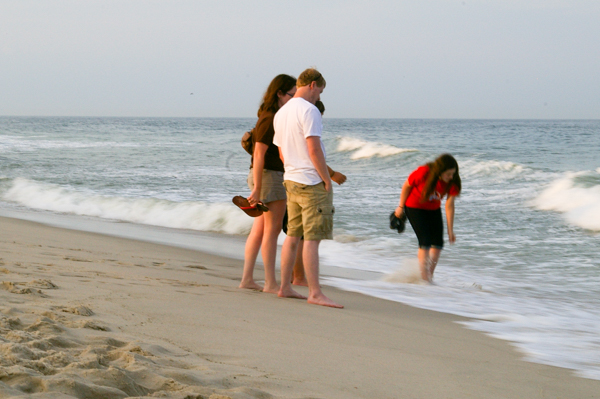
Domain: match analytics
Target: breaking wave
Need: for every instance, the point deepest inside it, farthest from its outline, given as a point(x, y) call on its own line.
point(576, 196)
point(367, 149)
point(217, 217)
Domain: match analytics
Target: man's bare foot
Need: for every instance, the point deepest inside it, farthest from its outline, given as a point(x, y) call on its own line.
point(250, 285)
point(271, 289)
point(290, 293)
point(322, 300)
point(300, 281)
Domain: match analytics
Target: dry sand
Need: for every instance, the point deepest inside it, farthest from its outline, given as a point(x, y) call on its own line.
point(91, 316)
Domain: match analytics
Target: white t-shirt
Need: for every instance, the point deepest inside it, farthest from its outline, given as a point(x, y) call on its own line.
point(293, 123)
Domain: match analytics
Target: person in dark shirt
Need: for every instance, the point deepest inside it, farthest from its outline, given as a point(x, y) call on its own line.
point(265, 181)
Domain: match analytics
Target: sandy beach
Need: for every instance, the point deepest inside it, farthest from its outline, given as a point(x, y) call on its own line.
point(91, 316)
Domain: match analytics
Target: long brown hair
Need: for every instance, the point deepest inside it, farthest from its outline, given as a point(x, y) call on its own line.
point(281, 83)
point(442, 163)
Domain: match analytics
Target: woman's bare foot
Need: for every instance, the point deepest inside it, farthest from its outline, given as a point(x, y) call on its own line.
point(250, 285)
point(300, 281)
point(271, 289)
point(322, 300)
point(289, 293)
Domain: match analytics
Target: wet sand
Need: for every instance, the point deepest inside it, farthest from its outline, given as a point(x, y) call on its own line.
point(92, 316)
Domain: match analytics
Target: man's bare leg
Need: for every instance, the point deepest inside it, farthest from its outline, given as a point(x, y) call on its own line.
point(288, 255)
point(251, 249)
point(311, 265)
point(298, 276)
point(434, 256)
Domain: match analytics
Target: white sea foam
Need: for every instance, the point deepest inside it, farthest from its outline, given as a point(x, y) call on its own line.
point(580, 203)
point(218, 217)
point(368, 149)
point(542, 328)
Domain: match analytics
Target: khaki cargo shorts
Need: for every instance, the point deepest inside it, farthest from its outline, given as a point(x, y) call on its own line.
point(310, 211)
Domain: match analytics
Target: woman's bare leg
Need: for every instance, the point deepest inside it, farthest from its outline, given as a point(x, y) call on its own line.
point(251, 252)
point(272, 228)
point(423, 256)
point(434, 256)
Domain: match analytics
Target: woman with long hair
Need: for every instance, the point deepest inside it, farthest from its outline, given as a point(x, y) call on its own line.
point(421, 199)
point(265, 181)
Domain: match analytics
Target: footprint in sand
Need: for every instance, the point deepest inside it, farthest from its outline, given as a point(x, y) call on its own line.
point(13, 288)
point(78, 310)
point(197, 267)
point(43, 283)
point(46, 357)
point(76, 259)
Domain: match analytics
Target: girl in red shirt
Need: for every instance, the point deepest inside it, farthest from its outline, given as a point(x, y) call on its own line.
point(421, 200)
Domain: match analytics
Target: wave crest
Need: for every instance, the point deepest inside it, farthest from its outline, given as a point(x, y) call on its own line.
point(368, 149)
point(577, 196)
point(218, 217)
point(501, 169)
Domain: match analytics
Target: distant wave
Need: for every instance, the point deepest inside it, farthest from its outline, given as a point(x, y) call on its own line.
point(368, 149)
point(577, 196)
point(487, 167)
point(18, 144)
point(496, 170)
point(218, 217)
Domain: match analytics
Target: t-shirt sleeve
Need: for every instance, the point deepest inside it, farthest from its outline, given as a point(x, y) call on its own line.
point(264, 132)
point(312, 122)
point(453, 191)
point(418, 176)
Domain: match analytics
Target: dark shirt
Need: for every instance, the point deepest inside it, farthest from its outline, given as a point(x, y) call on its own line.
point(263, 133)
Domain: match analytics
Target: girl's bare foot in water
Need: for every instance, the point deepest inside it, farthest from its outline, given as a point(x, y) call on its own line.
point(289, 293)
point(250, 285)
point(322, 300)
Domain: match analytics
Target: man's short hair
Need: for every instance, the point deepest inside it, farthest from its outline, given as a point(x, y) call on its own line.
point(310, 75)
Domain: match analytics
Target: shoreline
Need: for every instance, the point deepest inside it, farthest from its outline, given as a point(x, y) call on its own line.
point(181, 308)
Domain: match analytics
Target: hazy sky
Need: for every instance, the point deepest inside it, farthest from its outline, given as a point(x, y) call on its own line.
point(381, 59)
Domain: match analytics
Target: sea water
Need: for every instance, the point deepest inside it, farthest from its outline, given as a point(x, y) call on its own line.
point(525, 265)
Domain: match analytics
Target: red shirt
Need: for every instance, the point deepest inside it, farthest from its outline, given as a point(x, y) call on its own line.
point(417, 181)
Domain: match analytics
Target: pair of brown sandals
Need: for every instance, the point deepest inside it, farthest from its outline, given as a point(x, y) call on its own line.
point(251, 210)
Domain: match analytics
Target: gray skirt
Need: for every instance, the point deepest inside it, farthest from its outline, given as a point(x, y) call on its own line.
point(272, 188)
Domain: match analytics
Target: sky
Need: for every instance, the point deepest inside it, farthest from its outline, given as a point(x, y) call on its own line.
point(474, 59)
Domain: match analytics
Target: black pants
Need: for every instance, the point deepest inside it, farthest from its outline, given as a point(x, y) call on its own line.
point(428, 226)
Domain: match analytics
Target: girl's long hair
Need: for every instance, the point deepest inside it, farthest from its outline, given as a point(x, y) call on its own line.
point(436, 168)
point(281, 83)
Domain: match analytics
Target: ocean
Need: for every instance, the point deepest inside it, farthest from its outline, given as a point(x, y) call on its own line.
point(525, 266)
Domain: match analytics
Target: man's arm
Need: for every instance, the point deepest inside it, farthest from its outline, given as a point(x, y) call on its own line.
point(315, 152)
point(337, 177)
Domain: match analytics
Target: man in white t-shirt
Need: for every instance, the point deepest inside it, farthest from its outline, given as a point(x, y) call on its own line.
point(298, 128)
